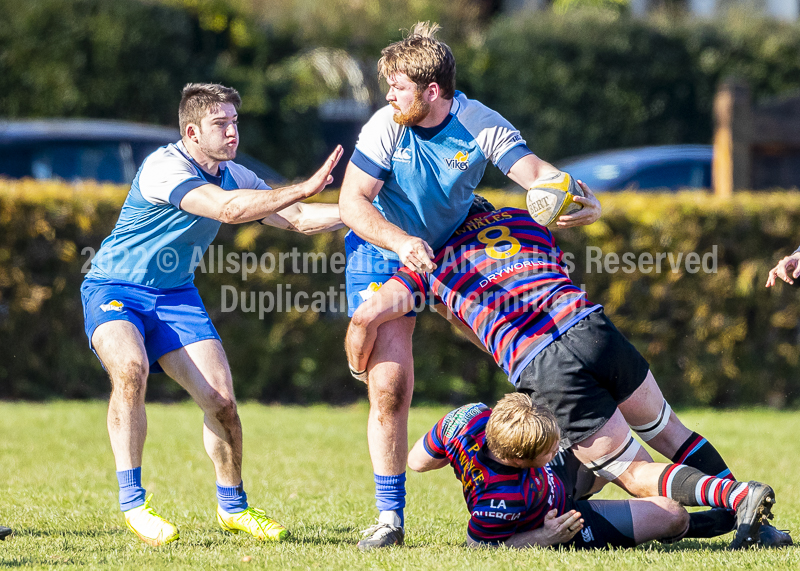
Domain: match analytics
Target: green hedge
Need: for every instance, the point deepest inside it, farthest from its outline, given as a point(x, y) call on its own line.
point(720, 339)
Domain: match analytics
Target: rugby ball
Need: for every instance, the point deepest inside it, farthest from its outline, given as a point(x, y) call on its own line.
point(552, 198)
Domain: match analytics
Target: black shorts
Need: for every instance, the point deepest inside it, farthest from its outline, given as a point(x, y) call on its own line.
point(583, 375)
point(578, 480)
point(606, 523)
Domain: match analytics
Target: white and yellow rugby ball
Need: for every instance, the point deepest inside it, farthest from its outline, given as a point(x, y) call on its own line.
point(553, 198)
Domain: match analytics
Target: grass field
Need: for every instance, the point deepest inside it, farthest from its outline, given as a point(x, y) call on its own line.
point(309, 468)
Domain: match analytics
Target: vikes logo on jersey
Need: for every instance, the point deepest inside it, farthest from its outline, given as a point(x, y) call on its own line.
point(460, 161)
point(113, 305)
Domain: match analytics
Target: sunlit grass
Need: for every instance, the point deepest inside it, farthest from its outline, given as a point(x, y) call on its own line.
point(309, 468)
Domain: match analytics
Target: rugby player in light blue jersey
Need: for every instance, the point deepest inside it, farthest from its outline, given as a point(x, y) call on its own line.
point(408, 186)
point(143, 313)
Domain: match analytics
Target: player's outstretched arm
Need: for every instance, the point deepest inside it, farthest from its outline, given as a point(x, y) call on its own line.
point(530, 168)
point(788, 269)
point(359, 189)
point(391, 301)
point(247, 205)
point(306, 218)
point(420, 461)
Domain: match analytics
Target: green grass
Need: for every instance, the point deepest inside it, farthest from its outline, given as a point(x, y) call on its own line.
point(309, 468)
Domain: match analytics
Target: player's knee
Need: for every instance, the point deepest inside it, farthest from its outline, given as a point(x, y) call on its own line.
point(675, 516)
point(222, 407)
point(362, 317)
point(130, 379)
point(389, 397)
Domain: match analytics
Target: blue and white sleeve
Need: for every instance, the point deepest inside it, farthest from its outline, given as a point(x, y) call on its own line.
point(165, 178)
point(376, 144)
point(499, 141)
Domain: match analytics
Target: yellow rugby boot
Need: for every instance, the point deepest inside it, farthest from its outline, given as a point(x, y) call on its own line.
point(150, 527)
point(253, 521)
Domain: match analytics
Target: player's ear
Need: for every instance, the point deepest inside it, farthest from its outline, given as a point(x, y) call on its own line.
point(432, 92)
point(192, 131)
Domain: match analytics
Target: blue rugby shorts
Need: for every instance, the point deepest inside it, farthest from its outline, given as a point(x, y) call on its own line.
point(367, 270)
point(168, 319)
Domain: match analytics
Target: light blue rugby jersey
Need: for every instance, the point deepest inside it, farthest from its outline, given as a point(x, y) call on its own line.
point(154, 242)
point(429, 180)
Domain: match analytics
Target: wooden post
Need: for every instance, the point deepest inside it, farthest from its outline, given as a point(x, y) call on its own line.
point(733, 132)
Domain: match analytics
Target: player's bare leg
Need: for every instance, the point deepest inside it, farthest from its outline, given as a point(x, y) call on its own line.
point(645, 411)
point(644, 406)
point(391, 384)
point(202, 369)
point(121, 350)
point(613, 454)
point(658, 518)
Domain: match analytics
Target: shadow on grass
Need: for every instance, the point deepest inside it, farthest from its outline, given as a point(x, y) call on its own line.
point(69, 532)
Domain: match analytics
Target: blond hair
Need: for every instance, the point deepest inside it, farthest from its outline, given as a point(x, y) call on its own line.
point(423, 58)
point(199, 98)
point(519, 429)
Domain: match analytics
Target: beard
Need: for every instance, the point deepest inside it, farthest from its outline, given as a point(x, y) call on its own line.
point(415, 114)
point(221, 153)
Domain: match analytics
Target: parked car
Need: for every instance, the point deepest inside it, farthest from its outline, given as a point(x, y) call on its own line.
point(646, 169)
point(90, 149)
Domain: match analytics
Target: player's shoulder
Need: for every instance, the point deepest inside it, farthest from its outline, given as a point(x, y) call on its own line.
point(473, 113)
point(383, 121)
point(166, 165)
point(167, 155)
point(457, 420)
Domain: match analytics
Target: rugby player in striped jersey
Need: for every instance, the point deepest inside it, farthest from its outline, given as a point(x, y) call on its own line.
point(522, 491)
point(503, 276)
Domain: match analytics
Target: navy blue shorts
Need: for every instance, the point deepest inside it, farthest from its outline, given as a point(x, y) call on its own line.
point(168, 319)
point(367, 270)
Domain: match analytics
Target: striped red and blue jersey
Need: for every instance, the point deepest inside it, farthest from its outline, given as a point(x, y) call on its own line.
point(502, 500)
point(502, 274)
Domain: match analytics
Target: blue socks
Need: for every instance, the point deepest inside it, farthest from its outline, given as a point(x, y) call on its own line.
point(131, 492)
point(390, 494)
point(232, 499)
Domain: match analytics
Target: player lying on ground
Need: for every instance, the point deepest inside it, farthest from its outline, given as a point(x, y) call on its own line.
point(522, 491)
point(5, 532)
point(144, 315)
point(502, 275)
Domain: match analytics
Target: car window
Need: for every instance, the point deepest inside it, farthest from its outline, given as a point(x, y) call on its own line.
point(671, 176)
point(70, 161)
point(142, 150)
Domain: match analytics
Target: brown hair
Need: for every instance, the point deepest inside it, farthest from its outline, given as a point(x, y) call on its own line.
point(519, 429)
point(199, 98)
point(423, 58)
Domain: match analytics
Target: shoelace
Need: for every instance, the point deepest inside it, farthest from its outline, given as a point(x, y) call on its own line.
point(148, 510)
point(260, 517)
point(377, 527)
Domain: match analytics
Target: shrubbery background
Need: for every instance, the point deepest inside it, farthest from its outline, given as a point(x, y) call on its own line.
point(572, 82)
point(719, 339)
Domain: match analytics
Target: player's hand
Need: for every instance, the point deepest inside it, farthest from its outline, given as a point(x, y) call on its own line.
point(416, 254)
point(322, 178)
point(562, 528)
point(589, 213)
point(787, 269)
